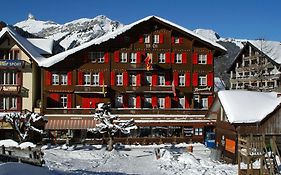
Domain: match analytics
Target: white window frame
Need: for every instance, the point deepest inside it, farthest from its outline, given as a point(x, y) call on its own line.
point(63, 100)
point(161, 57)
point(146, 38)
point(181, 102)
point(178, 58)
point(133, 79)
point(177, 39)
point(161, 80)
point(161, 103)
point(198, 131)
point(97, 57)
point(202, 59)
point(133, 57)
point(156, 39)
point(87, 79)
point(204, 103)
point(119, 79)
point(118, 101)
point(55, 79)
point(95, 79)
point(147, 100)
point(132, 101)
point(124, 57)
point(63, 79)
point(202, 80)
point(181, 79)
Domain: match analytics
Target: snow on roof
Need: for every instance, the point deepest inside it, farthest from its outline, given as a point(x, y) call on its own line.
point(248, 106)
point(270, 48)
point(61, 56)
point(45, 46)
point(24, 43)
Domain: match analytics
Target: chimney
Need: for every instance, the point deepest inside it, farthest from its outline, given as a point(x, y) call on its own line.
point(2, 25)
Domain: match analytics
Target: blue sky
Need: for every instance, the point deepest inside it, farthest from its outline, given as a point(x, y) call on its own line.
point(250, 19)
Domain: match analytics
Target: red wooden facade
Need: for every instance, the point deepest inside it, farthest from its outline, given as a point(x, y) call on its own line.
point(152, 69)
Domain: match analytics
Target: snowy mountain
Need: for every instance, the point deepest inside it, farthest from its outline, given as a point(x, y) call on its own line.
point(70, 34)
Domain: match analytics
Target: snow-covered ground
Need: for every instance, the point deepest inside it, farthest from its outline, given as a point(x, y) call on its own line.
point(94, 159)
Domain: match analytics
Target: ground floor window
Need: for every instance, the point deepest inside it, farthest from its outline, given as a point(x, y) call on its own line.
point(8, 103)
point(198, 131)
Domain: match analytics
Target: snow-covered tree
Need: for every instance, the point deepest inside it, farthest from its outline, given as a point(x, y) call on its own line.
point(23, 123)
point(109, 123)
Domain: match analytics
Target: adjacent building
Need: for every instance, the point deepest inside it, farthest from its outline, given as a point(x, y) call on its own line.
point(257, 66)
point(152, 70)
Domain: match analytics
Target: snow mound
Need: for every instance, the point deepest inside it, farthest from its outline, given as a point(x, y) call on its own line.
point(25, 145)
point(9, 143)
point(188, 159)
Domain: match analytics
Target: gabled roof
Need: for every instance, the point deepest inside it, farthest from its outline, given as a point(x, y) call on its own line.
point(45, 46)
point(248, 106)
point(271, 49)
point(61, 56)
point(28, 47)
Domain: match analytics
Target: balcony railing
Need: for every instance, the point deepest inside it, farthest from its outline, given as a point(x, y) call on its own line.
point(100, 89)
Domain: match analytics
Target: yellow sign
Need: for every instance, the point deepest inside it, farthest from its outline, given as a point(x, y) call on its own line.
point(5, 125)
point(230, 145)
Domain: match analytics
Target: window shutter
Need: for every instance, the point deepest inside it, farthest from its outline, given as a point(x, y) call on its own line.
point(176, 79)
point(139, 79)
point(80, 78)
point(69, 78)
point(195, 79)
point(167, 102)
point(48, 76)
point(117, 56)
point(187, 105)
point(172, 57)
point(184, 57)
point(106, 57)
point(181, 40)
point(187, 79)
point(210, 79)
point(167, 79)
point(125, 101)
point(141, 39)
point(143, 79)
point(138, 57)
point(125, 78)
point(138, 101)
point(168, 57)
point(154, 79)
point(173, 40)
point(210, 58)
point(154, 102)
point(161, 38)
point(210, 101)
point(112, 78)
point(19, 104)
point(195, 58)
point(101, 78)
point(69, 101)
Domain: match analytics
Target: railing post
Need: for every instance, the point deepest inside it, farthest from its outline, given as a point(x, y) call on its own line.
point(3, 149)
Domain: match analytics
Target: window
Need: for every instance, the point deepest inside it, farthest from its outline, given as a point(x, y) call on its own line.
point(63, 101)
point(8, 103)
point(63, 79)
point(55, 79)
point(124, 57)
point(181, 79)
point(202, 59)
point(8, 77)
point(161, 103)
point(198, 131)
point(161, 58)
point(118, 101)
point(178, 58)
point(147, 102)
point(132, 101)
point(156, 39)
point(177, 40)
point(133, 79)
point(161, 80)
point(97, 56)
point(148, 79)
point(181, 102)
point(119, 79)
point(203, 80)
point(87, 79)
point(146, 38)
point(133, 58)
point(96, 79)
point(204, 103)
point(196, 101)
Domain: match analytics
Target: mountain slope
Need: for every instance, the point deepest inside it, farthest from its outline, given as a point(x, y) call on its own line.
point(70, 34)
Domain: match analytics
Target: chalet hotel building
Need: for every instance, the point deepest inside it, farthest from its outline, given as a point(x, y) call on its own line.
point(154, 71)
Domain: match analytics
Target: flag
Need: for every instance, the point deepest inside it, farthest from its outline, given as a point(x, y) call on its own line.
point(148, 61)
point(103, 89)
point(174, 89)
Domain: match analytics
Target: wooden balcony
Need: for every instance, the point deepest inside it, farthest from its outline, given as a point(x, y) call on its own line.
point(149, 89)
point(91, 89)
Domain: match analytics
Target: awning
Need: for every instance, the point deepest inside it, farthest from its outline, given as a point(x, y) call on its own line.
point(58, 124)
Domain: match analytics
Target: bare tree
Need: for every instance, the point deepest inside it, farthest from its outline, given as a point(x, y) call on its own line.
point(109, 124)
point(23, 124)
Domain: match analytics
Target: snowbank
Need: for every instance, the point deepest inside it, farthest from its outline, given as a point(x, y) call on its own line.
point(9, 143)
